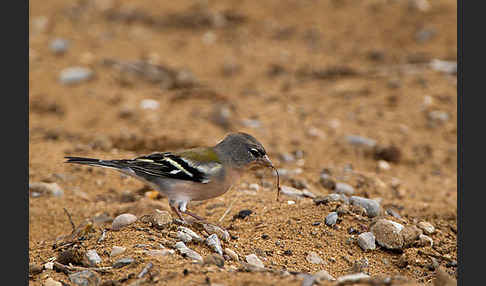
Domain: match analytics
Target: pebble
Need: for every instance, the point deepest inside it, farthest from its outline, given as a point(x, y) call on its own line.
point(149, 104)
point(160, 252)
point(93, 257)
point(213, 242)
point(194, 236)
point(187, 252)
point(444, 66)
point(231, 254)
point(186, 238)
point(253, 260)
point(366, 241)
point(331, 198)
point(52, 282)
point(161, 219)
point(214, 259)
point(384, 165)
point(85, 278)
point(252, 123)
point(352, 278)
point(359, 141)
point(75, 75)
point(343, 188)
point(427, 227)
point(438, 116)
point(123, 262)
point(387, 234)
point(425, 240)
point(410, 235)
point(242, 214)
point(46, 188)
point(59, 46)
point(49, 265)
point(323, 275)
point(314, 258)
point(221, 233)
point(35, 269)
point(331, 218)
point(293, 192)
point(372, 207)
point(123, 220)
point(117, 250)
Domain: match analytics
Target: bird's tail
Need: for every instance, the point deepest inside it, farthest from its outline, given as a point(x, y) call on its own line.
point(94, 162)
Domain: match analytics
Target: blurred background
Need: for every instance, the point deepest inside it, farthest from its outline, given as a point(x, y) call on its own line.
point(341, 85)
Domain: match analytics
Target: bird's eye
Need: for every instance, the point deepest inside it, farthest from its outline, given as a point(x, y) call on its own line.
point(255, 153)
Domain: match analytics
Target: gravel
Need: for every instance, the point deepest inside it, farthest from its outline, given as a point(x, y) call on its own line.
point(93, 257)
point(75, 75)
point(331, 218)
point(366, 241)
point(343, 188)
point(387, 234)
point(187, 252)
point(123, 262)
point(213, 242)
point(372, 207)
point(85, 278)
point(253, 260)
point(123, 220)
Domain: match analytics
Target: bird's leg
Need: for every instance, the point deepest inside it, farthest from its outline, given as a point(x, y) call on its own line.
point(199, 218)
point(174, 209)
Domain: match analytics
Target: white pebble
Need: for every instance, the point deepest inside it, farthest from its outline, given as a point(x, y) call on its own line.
point(122, 221)
point(149, 104)
point(253, 260)
point(117, 250)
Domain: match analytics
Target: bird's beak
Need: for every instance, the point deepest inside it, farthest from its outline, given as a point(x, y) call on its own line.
point(266, 161)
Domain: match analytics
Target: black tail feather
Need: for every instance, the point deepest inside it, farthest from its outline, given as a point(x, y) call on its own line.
point(81, 160)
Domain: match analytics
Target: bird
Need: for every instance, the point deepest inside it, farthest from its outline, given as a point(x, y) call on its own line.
point(194, 174)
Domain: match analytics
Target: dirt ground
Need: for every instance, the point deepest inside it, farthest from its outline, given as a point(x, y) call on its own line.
point(300, 76)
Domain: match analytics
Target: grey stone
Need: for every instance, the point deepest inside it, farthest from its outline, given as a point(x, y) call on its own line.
point(343, 188)
point(117, 250)
point(314, 258)
point(123, 220)
point(186, 238)
point(372, 207)
point(161, 219)
point(191, 233)
point(444, 66)
point(123, 262)
point(75, 75)
point(213, 242)
point(93, 257)
point(331, 218)
point(232, 254)
point(85, 278)
point(332, 198)
point(323, 275)
point(366, 241)
point(160, 252)
point(59, 45)
point(187, 252)
point(360, 141)
point(387, 234)
point(221, 233)
point(253, 260)
point(353, 278)
point(427, 227)
point(46, 188)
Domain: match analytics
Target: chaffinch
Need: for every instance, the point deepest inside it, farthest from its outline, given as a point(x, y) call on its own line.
point(193, 174)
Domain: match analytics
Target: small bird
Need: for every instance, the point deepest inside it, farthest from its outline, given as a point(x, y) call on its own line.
point(194, 174)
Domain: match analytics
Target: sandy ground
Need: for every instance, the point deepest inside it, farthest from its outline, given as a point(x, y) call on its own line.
point(300, 76)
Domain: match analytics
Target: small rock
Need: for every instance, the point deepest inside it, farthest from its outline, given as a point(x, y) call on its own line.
point(123, 262)
point(343, 188)
point(359, 141)
point(49, 265)
point(85, 278)
point(353, 278)
point(383, 165)
point(402, 261)
point(387, 234)
point(160, 219)
point(314, 258)
point(331, 198)
point(59, 46)
point(71, 255)
point(221, 233)
point(242, 214)
point(194, 236)
point(213, 242)
point(35, 269)
point(360, 265)
point(117, 250)
point(75, 75)
point(372, 207)
point(252, 123)
point(122, 221)
point(427, 227)
point(93, 257)
point(232, 254)
point(253, 260)
point(187, 252)
point(160, 252)
point(444, 66)
point(443, 279)
point(424, 241)
point(366, 241)
point(149, 104)
point(323, 275)
point(331, 218)
point(410, 235)
point(186, 238)
point(52, 282)
point(46, 188)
